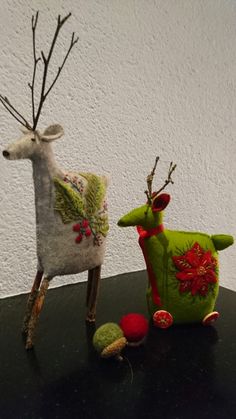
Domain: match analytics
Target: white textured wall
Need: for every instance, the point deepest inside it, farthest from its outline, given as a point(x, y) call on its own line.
point(146, 78)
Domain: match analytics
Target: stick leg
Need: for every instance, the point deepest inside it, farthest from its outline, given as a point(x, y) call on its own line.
point(31, 299)
point(37, 307)
point(94, 276)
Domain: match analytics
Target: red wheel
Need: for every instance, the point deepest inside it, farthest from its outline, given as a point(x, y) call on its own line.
point(210, 318)
point(162, 319)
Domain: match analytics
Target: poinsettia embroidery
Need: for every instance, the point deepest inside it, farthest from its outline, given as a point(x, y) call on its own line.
point(197, 270)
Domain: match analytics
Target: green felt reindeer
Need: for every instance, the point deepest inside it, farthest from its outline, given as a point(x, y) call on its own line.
point(182, 267)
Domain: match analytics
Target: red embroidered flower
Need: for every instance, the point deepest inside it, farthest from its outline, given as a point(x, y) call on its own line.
point(83, 229)
point(196, 270)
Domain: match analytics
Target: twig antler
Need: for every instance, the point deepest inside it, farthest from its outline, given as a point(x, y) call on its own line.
point(6, 103)
point(46, 60)
point(44, 91)
point(168, 180)
point(34, 22)
point(148, 192)
point(150, 177)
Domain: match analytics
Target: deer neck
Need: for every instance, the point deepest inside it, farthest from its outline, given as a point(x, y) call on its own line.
point(44, 170)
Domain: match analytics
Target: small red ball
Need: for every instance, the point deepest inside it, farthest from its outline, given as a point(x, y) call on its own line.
point(76, 228)
point(134, 326)
point(85, 223)
point(79, 238)
point(88, 232)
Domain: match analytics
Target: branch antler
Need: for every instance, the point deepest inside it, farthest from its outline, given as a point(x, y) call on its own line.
point(46, 60)
point(34, 22)
point(150, 177)
point(12, 110)
point(44, 92)
point(168, 180)
point(148, 192)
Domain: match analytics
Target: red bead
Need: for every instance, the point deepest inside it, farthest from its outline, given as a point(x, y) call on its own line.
point(88, 232)
point(85, 223)
point(79, 238)
point(76, 228)
point(134, 326)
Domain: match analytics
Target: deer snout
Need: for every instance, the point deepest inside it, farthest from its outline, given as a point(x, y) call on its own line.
point(6, 154)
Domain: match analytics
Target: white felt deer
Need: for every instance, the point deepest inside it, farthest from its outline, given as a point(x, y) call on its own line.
point(71, 212)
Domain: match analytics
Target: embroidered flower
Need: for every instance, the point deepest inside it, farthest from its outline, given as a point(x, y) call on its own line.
point(85, 207)
point(197, 269)
point(83, 229)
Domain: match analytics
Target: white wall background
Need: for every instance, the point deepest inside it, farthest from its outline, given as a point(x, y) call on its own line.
point(147, 78)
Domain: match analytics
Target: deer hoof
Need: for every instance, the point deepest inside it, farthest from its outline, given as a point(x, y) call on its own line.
point(210, 318)
point(24, 330)
point(29, 345)
point(90, 318)
point(162, 319)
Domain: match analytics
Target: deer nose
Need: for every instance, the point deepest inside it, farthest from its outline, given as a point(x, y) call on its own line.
point(5, 153)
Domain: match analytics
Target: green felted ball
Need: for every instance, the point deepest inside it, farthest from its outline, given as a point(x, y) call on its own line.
point(106, 337)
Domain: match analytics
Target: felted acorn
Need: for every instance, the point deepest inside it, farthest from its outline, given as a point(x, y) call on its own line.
point(135, 328)
point(109, 341)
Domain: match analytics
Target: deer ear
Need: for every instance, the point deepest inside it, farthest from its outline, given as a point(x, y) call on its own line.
point(160, 202)
point(51, 133)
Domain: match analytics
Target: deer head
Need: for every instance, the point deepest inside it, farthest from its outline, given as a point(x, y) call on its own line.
point(32, 142)
point(150, 215)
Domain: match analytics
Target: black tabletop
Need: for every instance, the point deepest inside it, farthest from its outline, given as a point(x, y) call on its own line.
point(182, 372)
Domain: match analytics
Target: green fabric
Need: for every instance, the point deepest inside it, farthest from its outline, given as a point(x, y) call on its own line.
point(184, 307)
point(100, 224)
point(222, 241)
point(74, 207)
point(142, 216)
point(95, 193)
point(68, 203)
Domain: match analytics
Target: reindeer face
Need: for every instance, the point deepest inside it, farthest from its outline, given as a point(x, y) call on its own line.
point(147, 216)
point(150, 215)
point(25, 148)
point(32, 143)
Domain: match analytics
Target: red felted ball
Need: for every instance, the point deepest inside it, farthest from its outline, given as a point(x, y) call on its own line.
point(134, 326)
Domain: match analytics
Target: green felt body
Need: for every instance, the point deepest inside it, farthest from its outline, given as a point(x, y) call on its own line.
point(160, 248)
point(184, 307)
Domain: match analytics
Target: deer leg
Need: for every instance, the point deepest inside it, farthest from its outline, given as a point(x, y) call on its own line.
point(37, 307)
point(94, 276)
point(31, 299)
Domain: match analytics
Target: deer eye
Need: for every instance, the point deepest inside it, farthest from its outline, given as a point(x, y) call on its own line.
point(32, 139)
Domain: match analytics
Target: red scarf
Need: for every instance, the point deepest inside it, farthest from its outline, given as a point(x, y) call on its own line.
point(143, 234)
